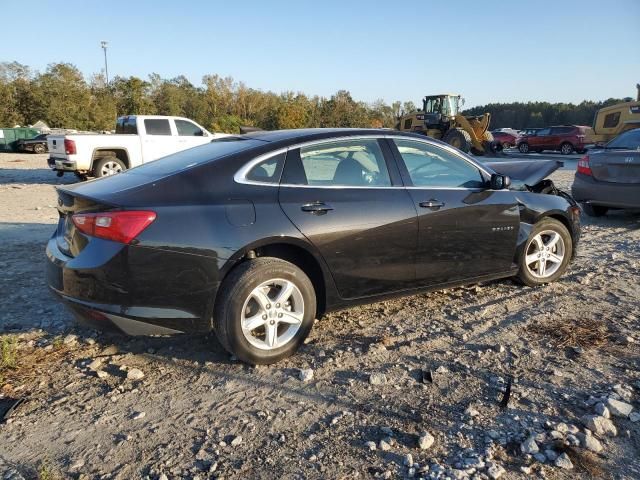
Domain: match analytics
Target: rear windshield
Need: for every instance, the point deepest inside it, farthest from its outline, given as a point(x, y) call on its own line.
point(196, 156)
point(626, 141)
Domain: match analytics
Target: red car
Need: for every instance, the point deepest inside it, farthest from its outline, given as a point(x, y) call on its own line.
point(566, 138)
point(505, 139)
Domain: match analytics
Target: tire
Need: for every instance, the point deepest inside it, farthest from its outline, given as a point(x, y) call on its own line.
point(544, 232)
point(594, 210)
point(506, 145)
point(523, 147)
point(39, 148)
point(458, 138)
point(566, 148)
point(237, 298)
point(106, 166)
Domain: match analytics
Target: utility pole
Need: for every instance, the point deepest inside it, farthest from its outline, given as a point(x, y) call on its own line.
point(104, 44)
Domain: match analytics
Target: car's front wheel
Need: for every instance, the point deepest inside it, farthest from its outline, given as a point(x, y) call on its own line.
point(547, 253)
point(523, 147)
point(265, 310)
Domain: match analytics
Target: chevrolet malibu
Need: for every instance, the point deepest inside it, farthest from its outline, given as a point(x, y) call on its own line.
point(257, 235)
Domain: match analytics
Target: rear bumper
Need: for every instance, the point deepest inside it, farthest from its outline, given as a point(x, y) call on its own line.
point(62, 165)
point(110, 286)
point(616, 195)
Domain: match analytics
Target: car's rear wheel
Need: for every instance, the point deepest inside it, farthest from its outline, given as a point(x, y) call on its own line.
point(39, 148)
point(566, 148)
point(265, 310)
point(506, 145)
point(523, 147)
point(106, 166)
point(594, 210)
point(547, 253)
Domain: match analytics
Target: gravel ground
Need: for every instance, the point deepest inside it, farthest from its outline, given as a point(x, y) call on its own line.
point(399, 389)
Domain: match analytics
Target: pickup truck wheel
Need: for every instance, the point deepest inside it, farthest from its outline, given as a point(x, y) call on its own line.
point(39, 148)
point(105, 166)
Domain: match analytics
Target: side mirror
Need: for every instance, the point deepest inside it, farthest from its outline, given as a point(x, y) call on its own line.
point(499, 182)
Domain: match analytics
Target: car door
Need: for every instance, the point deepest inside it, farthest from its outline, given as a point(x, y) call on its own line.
point(465, 229)
point(346, 198)
point(190, 134)
point(158, 140)
point(541, 139)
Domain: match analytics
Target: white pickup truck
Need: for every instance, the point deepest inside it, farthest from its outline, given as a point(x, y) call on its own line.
point(138, 139)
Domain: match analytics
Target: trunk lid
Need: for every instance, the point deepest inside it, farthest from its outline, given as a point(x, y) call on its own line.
point(69, 240)
point(616, 166)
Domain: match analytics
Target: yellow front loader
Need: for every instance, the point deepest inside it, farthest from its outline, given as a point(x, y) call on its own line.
point(440, 118)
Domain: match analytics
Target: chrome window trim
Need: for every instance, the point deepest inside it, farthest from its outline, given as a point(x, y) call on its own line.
point(240, 175)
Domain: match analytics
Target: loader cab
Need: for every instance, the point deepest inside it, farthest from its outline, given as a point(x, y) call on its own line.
point(440, 110)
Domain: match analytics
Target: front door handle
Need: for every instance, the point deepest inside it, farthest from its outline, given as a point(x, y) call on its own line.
point(433, 204)
point(317, 208)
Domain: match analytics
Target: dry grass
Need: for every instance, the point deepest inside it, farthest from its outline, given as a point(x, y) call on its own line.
point(586, 332)
point(584, 461)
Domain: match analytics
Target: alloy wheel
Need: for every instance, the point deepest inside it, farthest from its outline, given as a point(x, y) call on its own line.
point(544, 254)
point(110, 168)
point(272, 314)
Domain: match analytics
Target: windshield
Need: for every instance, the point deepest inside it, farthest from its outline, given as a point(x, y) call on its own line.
point(196, 156)
point(628, 141)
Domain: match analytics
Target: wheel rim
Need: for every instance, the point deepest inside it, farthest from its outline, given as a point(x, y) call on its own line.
point(272, 314)
point(110, 168)
point(566, 149)
point(524, 148)
point(39, 149)
point(544, 254)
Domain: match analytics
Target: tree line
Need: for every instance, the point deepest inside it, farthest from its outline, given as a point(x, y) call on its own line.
point(63, 98)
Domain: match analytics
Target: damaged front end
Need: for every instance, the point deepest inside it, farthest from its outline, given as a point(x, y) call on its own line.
point(530, 175)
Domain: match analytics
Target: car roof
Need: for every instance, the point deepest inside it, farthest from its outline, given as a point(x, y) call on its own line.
point(287, 137)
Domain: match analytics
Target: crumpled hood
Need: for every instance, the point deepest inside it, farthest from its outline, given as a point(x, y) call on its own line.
point(525, 172)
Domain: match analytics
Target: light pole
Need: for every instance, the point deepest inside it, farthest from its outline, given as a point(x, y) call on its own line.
point(104, 44)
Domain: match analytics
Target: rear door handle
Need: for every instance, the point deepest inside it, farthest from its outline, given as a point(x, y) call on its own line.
point(317, 208)
point(434, 204)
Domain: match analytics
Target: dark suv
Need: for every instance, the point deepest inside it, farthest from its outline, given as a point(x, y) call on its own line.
point(566, 138)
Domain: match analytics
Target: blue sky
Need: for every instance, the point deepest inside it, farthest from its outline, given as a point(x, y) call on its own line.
point(490, 51)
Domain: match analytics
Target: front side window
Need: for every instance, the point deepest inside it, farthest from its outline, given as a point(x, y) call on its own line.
point(267, 171)
point(431, 166)
point(349, 163)
point(157, 126)
point(188, 129)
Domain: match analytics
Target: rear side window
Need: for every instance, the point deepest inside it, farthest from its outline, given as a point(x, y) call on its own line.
point(611, 120)
point(349, 163)
point(127, 126)
point(267, 171)
point(542, 132)
point(188, 129)
point(157, 126)
point(561, 130)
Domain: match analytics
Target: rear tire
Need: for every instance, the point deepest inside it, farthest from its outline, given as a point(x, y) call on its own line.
point(523, 147)
point(249, 313)
point(550, 243)
point(566, 148)
point(594, 210)
point(458, 138)
point(38, 148)
point(107, 166)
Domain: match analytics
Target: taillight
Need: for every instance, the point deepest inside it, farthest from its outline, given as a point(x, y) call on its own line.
point(69, 147)
point(583, 166)
point(120, 227)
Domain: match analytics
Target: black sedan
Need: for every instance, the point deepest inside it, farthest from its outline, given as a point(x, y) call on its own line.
point(609, 178)
point(37, 144)
point(255, 236)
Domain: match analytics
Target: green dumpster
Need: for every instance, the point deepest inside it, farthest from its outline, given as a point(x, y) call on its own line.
point(10, 136)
